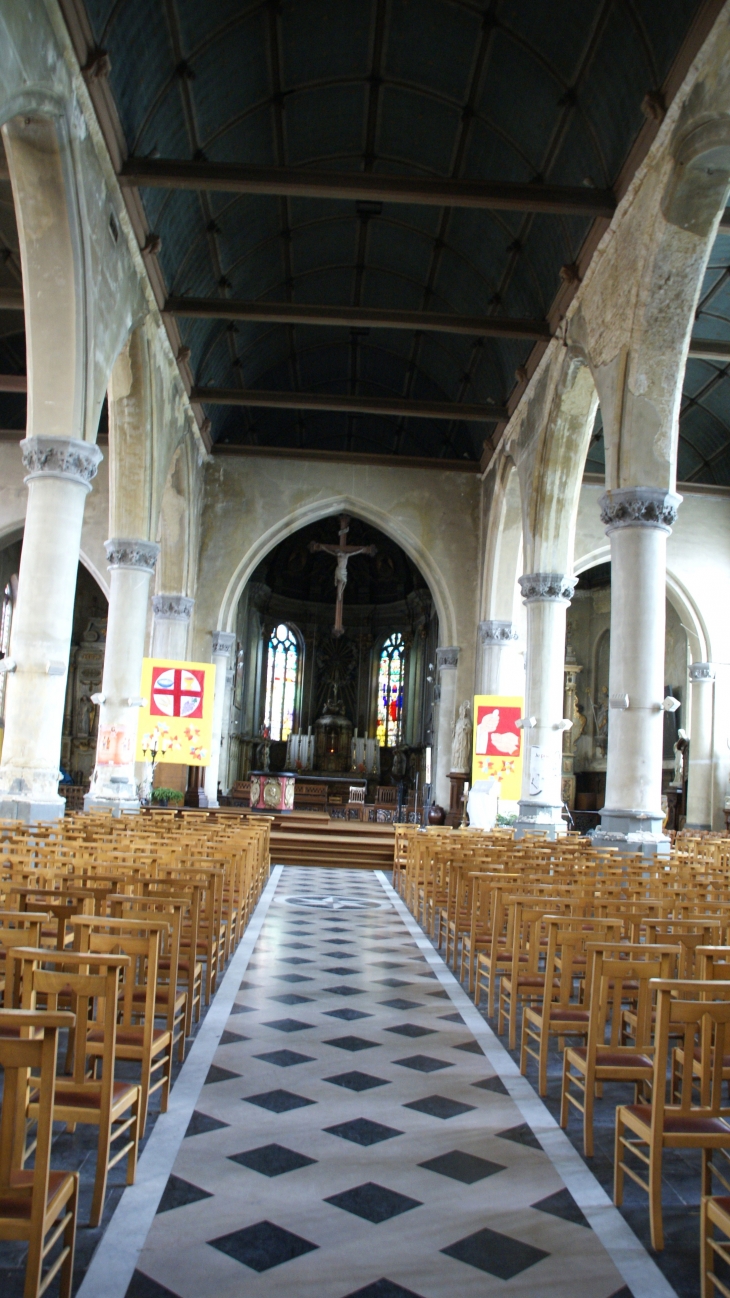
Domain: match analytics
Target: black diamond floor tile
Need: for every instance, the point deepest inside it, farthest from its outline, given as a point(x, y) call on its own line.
point(520, 1135)
point(262, 1246)
point(452, 1018)
point(356, 1081)
point(562, 1204)
point(423, 1063)
point(383, 1288)
point(294, 959)
point(231, 1038)
point(247, 986)
point(338, 941)
point(398, 1003)
point(291, 998)
point(340, 971)
point(493, 1084)
point(142, 1286)
point(471, 1047)
point(348, 1014)
point(343, 989)
point(351, 1043)
point(242, 1009)
point(623, 1292)
point(439, 994)
point(391, 982)
point(388, 964)
point(297, 946)
point(411, 1030)
point(200, 1124)
point(362, 1131)
point(216, 1074)
point(278, 1101)
point(272, 1160)
point(293, 978)
point(373, 1202)
point(467, 1168)
point(439, 1106)
point(494, 1253)
point(178, 1193)
point(284, 1058)
point(288, 1025)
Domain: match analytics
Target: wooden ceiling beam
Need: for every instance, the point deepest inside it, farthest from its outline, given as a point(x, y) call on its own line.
point(351, 405)
point(11, 299)
point(709, 350)
point(300, 182)
point(356, 317)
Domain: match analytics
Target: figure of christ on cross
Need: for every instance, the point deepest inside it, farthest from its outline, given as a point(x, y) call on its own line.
point(342, 553)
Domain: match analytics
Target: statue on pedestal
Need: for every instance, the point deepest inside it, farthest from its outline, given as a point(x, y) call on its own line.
point(462, 745)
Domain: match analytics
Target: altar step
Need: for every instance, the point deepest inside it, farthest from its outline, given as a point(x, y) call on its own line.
point(312, 838)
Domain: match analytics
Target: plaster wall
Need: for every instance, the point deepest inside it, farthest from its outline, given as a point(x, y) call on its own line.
point(14, 499)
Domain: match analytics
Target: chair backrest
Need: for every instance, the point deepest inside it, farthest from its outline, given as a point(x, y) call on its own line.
point(357, 793)
point(613, 967)
point(91, 983)
point(34, 1048)
point(386, 796)
point(702, 1025)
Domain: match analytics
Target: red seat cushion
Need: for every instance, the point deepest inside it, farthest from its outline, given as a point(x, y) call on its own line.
point(86, 1097)
point(678, 1124)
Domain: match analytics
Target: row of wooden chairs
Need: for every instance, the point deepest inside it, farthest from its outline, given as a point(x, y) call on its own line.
point(110, 943)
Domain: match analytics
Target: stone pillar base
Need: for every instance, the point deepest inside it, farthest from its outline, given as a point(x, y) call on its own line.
point(97, 802)
point(30, 810)
point(632, 831)
point(540, 818)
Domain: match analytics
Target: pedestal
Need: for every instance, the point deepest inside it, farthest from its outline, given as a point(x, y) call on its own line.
point(455, 813)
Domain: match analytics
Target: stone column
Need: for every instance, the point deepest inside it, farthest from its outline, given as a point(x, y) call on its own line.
point(699, 779)
point(59, 477)
point(171, 622)
point(447, 661)
point(131, 565)
point(638, 521)
point(546, 596)
point(494, 638)
point(222, 644)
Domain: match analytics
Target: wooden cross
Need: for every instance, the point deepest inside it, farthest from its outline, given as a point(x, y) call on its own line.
point(342, 552)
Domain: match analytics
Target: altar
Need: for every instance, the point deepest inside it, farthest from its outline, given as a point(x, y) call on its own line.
point(290, 791)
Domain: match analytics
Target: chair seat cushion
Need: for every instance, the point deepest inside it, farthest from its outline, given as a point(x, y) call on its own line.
point(89, 1097)
point(128, 1036)
point(17, 1206)
point(680, 1124)
point(568, 1014)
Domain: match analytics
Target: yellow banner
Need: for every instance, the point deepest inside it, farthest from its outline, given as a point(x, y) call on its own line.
point(176, 723)
point(498, 742)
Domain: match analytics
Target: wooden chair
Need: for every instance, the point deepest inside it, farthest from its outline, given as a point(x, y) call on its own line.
point(91, 983)
point(587, 1067)
point(137, 1036)
point(703, 1023)
point(37, 1206)
point(715, 1211)
point(355, 808)
point(17, 928)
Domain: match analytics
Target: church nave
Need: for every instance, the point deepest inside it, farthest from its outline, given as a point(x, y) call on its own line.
point(351, 1137)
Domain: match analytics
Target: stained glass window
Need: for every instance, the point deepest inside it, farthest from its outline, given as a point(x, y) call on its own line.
point(281, 682)
point(6, 617)
point(390, 691)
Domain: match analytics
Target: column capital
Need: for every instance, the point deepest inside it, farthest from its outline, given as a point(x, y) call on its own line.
point(223, 642)
point(173, 608)
point(700, 672)
point(131, 552)
point(494, 632)
point(60, 457)
point(447, 658)
point(639, 507)
point(551, 587)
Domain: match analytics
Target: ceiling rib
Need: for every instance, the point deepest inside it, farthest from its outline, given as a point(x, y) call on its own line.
point(350, 317)
point(414, 409)
point(296, 182)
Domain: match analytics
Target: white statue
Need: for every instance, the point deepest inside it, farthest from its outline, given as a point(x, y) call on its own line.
point(461, 747)
point(680, 749)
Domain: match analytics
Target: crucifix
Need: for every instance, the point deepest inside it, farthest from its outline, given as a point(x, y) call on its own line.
point(342, 552)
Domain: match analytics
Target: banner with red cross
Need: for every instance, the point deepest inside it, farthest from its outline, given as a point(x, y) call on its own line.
point(176, 721)
point(498, 742)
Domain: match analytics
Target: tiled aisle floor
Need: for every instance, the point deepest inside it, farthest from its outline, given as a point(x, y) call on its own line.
point(350, 1138)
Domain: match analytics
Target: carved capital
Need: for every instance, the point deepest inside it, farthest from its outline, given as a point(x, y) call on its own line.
point(700, 672)
point(447, 659)
point(222, 643)
point(496, 633)
point(546, 586)
point(639, 507)
point(130, 552)
point(172, 608)
point(60, 457)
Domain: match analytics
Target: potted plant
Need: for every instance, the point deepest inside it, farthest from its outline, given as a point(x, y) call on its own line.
point(167, 797)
